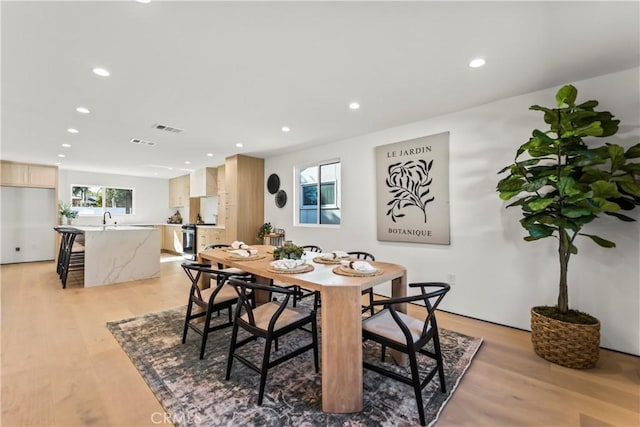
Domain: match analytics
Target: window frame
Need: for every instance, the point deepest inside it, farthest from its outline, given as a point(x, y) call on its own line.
point(103, 208)
point(299, 204)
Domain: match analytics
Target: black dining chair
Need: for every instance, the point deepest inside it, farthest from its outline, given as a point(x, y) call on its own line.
point(409, 335)
point(203, 303)
point(229, 270)
point(268, 321)
point(365, 256)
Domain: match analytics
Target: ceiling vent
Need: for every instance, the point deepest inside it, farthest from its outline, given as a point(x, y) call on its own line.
point(142, 142)
point(166, 128)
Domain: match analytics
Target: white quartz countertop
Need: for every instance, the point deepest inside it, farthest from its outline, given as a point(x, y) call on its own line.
point(92, 228)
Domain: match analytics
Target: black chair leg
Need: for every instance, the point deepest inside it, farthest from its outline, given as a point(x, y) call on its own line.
point(232, 350)
point(371, 310)
point(438, 353)
point(415, 376)
point(205, 333)
point(264, 369)
point(186, 321)
point(383, 353)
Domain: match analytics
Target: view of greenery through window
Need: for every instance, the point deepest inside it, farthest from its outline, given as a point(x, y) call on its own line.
point(323, 180)
point(95, 200)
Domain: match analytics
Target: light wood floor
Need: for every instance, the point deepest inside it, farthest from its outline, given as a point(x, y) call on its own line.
point(62, 367)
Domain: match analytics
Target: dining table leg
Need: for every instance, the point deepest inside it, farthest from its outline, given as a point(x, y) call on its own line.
point(341, 327)
point(399, 289)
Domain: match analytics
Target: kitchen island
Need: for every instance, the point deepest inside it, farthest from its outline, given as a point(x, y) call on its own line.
point(119, 253)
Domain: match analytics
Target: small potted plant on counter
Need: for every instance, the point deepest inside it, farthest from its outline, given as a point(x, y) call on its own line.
point(65, 211)
point(264, 229)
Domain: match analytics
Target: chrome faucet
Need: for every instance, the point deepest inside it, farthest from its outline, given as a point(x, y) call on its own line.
point(104, 217)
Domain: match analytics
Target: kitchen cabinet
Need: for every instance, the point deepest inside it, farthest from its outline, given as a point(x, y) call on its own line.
point(28, 175)
point(172, 238)
point(244, 198)
point(203, 183)
point(179, 191)
point(222, 196)
point(206, 236)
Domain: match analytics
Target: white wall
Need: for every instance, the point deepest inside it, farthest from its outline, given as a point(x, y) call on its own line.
point(150, 198)
point(26, 224)
point(498, 276)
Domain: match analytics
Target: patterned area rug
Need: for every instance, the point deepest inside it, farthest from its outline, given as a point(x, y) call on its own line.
point(194, 392)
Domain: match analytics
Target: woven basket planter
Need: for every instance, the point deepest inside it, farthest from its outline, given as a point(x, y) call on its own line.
point(566, 344)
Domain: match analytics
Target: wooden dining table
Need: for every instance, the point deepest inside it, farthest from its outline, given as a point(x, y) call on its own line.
point(341, 316)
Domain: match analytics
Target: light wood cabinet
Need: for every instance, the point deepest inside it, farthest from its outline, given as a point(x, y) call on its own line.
point(172, 238)
point(203, 182)
point(179, 191)
point(206, 236)
point(244, 198)
point(222, 196)
point(28, 175)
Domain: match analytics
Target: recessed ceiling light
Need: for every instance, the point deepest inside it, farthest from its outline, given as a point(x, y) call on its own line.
point(101, 72)
point(209, 154)
point(66, 145)
point(83, 110)
point(187, 162)
point(60, 155)
point(57, 163)
point(354, 105)
point(239, 145)
point(285, 129)
point(144, 1)
point(170, 169)
point(476, 63)
point(72, 130)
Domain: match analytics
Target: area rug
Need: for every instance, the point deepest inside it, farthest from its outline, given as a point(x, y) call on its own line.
point(195, 393)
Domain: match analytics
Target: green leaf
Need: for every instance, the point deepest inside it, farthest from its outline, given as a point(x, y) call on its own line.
point(616, 153)
point(566, 95)
point(566, 186)
point(606, 205)
point(589, 105)
point(506, 195)
point(604, 189)
point(538, 204)
point(609, 127)
point(535, 185)
point(511, 183)
point(539, 231)
point(621, 216)
point(573, 212)
point(633, 152)
point(630, 188)
point(600, 241)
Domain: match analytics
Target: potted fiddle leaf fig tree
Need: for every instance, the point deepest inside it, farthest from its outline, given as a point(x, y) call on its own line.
point(562, 181)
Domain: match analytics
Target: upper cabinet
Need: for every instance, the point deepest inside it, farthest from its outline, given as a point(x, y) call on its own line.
point(179, 191)
point(243, 212)
point(203, 182)
point(28, 175)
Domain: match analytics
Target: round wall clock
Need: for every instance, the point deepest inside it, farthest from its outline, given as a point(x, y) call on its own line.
point(273, 183)
point(281, 199)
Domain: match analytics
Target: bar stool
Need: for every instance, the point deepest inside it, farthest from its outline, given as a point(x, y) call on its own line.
point(71, 253)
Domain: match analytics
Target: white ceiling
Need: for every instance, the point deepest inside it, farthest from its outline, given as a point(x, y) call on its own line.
point(229, 72)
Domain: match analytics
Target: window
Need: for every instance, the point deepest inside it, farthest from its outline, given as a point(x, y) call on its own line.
point(95, 200)
point(319, 194)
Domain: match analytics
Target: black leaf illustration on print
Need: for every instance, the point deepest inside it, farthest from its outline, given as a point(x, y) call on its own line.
point(408, 185)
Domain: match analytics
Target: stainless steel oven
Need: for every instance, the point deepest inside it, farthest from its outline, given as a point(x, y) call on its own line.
point(189, 250)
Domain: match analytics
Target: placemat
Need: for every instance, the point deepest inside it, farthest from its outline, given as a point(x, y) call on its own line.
point(353, 273)
point(245, 258)
point(302, 269)
point(321, 260)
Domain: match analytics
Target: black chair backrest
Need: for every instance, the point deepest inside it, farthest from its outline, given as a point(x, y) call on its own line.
point(431, 294)
point(312, 248)
point(194, 270)
point(244, 289)
point(362, 255)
